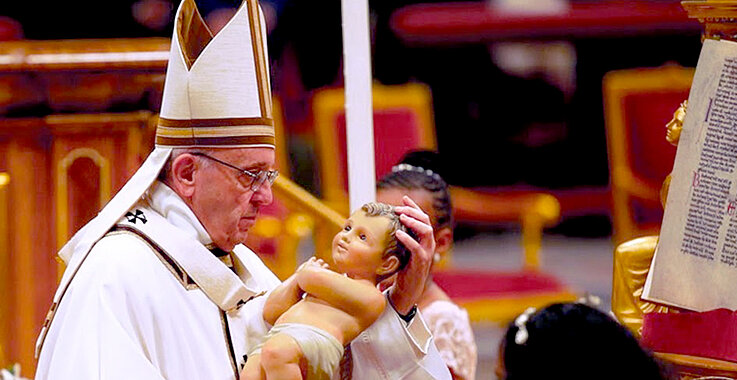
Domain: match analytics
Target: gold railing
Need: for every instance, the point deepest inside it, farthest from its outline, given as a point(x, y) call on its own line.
point(297, 197)
point(532, 210)
point(326, 220)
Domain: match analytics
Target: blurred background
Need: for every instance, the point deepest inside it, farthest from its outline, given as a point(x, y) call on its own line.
point(510, 93)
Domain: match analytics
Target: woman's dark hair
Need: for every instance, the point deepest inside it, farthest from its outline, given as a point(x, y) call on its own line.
point(574, 341)
point(422, 170)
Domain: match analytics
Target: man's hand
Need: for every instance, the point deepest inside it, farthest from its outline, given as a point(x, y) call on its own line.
point(411, 280)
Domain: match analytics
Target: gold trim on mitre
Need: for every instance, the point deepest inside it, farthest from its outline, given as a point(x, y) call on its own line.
point(193, 32)
point(217, 90)
point(259, 51)
point(215, 132)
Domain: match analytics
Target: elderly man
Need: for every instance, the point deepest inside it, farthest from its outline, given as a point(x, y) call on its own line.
point(159, 284)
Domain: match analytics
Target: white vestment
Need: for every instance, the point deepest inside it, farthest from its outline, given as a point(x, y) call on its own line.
point(134, 310)
point(391, 349)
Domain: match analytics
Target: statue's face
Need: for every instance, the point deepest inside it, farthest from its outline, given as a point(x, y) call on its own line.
point(675, 125)
point(358, 249)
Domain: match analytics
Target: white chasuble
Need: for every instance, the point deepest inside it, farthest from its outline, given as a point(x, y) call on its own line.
point(136, 309)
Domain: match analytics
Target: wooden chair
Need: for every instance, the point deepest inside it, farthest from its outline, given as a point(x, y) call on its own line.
point(637, 105)
point(402, 122)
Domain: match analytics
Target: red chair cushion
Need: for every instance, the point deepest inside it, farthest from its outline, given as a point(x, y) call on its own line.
point(475, 284)
point(711, 334)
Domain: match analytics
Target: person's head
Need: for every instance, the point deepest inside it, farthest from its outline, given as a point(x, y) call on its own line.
point(572, 341)
point(215, 186)
point(367, 246)
point(417, 176)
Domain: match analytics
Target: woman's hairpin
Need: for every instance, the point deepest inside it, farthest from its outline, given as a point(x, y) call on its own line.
point(412, 168)
point(589, 299)
point(521, 322)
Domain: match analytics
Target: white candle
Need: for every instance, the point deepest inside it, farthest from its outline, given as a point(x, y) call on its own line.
point(358, 107)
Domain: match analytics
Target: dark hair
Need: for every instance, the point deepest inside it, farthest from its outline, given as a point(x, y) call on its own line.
point(574, 341)
point(422, 170)
point(394, 247)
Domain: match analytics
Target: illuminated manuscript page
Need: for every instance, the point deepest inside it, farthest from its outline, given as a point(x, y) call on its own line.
point(695, 263)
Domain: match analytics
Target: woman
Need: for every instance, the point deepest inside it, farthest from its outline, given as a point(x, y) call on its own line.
point(573, 341)
point(417, 177)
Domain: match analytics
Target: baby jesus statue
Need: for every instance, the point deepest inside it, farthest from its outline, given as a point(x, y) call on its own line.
point(319, 310)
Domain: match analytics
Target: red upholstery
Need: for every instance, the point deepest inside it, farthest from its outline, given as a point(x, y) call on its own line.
point(711, 334)
point(475, 284)
point(650, 155)
point(395, 133)
point(10, 29)
point(638, 103)
point(403, 121)
point(477, 21)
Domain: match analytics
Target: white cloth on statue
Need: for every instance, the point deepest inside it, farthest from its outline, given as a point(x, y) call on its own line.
point(391, 349)
point(128, 313)
point(453, 336)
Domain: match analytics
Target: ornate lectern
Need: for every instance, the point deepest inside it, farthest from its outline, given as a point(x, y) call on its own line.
point(632, 259)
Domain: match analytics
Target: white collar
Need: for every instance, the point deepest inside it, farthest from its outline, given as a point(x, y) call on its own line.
point(168, 204)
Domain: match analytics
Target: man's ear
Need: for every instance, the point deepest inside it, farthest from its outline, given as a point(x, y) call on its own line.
point(443, 240)
point(388, 266)
point(182, 174)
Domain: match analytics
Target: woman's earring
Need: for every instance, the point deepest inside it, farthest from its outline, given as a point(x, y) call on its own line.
point(436, 258)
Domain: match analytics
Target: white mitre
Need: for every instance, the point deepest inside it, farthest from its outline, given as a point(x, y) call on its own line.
point(217, 94)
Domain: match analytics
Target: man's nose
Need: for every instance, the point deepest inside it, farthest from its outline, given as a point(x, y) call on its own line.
point(263, 196)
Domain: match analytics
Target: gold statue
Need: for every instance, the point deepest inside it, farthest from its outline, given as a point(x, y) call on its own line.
point(632, 258)
point(675, 125)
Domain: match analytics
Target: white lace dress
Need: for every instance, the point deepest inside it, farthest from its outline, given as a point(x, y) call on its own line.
point(453, 337)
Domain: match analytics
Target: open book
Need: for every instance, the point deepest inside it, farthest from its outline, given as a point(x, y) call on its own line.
point(695, 263)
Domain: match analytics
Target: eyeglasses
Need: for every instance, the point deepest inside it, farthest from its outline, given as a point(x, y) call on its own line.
point(257, 178)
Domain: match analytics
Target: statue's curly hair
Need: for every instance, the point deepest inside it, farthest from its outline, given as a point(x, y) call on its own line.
point(394, 247)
